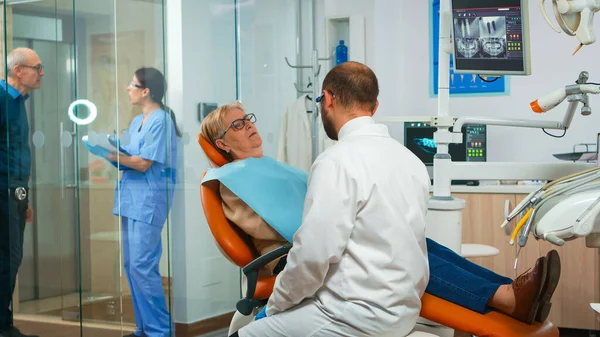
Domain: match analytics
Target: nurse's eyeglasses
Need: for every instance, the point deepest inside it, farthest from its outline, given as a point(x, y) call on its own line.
point(133, 85)
point(239, 124)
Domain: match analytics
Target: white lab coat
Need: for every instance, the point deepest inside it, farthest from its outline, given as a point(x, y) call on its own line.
point(295, 137)
point(358, 266)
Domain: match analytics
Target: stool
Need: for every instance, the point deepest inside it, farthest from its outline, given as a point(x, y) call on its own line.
point(476, 250)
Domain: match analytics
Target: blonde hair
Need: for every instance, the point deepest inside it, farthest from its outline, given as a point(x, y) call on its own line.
point(213, 125)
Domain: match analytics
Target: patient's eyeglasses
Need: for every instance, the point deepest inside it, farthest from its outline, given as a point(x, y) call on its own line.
point(239, 124)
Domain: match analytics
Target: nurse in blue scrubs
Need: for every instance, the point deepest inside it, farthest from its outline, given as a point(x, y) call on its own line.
point(143, 198)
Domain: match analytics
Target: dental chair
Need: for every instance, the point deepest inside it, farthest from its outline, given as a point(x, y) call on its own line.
point(237, 248)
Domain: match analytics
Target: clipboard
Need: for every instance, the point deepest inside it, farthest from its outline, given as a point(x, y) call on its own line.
point(116, 142)
point(103, 151)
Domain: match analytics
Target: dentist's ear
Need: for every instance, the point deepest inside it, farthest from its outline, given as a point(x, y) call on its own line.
point(328, 99)
point(375, 108)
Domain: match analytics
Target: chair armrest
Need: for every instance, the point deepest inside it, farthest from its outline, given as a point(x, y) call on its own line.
point(267, 258)
point(251, 270)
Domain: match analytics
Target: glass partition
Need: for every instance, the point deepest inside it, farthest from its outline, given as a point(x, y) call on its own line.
point(206, 286)
point(232, 50)
point(71, 86)
point(76, 246)
point(270, 32)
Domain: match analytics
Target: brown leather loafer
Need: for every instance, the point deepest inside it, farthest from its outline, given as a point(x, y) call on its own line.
point(528, 291)
point(552, 277)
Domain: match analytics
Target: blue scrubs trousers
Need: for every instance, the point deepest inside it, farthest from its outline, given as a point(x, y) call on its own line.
point(142, 249)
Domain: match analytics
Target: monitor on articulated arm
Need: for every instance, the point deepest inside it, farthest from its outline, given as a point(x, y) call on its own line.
point(490, 37)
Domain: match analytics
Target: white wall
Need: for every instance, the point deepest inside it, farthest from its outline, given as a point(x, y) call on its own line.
point(344, 8)
point(401, 42)
point(267, 36)
point(201, 51)
point(201, 68)
point(349, 8)
point(398, 42)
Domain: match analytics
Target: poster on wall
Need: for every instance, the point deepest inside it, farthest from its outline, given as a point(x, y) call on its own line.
point(460, 84)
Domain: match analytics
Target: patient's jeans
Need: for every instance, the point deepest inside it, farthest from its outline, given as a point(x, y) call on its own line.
point(459, 280)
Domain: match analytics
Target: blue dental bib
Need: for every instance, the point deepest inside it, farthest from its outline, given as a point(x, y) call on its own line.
point(274, 190)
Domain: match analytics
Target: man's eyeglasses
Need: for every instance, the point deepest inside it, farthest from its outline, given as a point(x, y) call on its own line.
point(239, 124)
point(38, 67)
point(321, 96)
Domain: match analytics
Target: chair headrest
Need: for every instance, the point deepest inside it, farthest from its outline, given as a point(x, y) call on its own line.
point(213, 155)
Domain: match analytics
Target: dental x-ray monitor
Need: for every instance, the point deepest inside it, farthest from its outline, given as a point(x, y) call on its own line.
point(490, 37)
point(418, 138)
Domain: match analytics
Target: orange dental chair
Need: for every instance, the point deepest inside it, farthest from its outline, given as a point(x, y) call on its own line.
point(237, 248)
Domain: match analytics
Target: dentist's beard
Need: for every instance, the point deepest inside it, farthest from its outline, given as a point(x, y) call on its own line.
point(328, 125)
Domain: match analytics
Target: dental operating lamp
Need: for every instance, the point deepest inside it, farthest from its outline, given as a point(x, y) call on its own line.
point(575, 17)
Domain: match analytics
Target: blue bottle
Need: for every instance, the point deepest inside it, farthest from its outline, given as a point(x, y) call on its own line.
point(341, 53)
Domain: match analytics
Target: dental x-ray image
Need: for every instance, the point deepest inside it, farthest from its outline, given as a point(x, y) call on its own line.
point(480, 37)
point(493, 37)
point(467, 37)
point(426, 145)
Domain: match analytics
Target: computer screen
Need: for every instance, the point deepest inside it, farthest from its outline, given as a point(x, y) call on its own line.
point(418, 138)
point(491, 37)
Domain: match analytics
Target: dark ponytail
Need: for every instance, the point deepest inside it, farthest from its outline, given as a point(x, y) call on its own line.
point(170, 112)
point(153, 80)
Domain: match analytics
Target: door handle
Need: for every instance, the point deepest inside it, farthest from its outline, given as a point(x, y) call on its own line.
point(63, 179)
point(62, 159)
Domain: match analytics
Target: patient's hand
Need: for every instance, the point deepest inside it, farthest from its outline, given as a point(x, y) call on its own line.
point(261, 314)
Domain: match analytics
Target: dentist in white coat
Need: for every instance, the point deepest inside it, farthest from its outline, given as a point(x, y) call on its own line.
point(358, 266)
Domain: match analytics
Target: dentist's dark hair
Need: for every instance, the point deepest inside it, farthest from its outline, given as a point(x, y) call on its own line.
point(153, 80)
point(354, 85)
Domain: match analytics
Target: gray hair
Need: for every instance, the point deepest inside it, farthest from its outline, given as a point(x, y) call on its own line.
point(16, 57)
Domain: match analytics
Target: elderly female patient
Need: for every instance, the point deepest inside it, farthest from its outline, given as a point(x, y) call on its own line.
point(453, 278)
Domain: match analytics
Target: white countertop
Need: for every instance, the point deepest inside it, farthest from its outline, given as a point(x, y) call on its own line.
point(494, 189)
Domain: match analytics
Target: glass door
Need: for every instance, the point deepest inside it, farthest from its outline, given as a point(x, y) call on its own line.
point(72, 280)
point(114, 38)
point(48, 276)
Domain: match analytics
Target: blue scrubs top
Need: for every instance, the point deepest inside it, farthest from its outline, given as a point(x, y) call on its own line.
point(147, 196)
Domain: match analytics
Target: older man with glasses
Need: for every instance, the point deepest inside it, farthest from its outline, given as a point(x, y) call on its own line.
point(25, 72)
